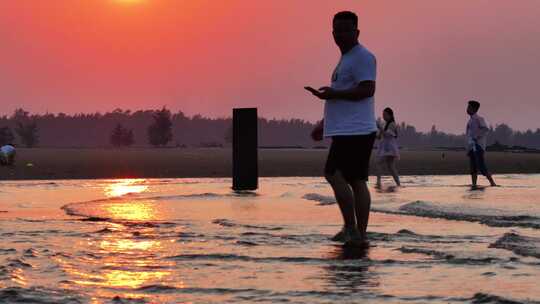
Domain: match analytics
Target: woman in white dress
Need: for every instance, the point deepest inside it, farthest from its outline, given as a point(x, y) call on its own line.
point(388, 148)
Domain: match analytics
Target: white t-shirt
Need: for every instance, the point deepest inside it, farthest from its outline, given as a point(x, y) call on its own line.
point(477, 129)
point(7, 150)
point(346, 117)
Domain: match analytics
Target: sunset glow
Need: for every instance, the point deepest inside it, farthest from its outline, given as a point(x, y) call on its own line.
point(209, 56)
point(129, 1)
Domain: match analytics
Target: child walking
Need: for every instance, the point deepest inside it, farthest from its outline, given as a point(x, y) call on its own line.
point(388, 150)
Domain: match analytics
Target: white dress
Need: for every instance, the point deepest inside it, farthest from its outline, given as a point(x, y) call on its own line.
point(388, 145)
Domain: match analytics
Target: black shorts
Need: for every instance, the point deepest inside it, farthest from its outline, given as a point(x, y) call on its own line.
point(350, 154)
point(477, 161)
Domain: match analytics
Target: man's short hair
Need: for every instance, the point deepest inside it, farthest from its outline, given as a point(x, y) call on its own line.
point(474, 104)
point(347, 15)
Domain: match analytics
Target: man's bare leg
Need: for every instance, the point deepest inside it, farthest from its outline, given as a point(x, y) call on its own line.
point(344, 198)
point(491, 181)
point(362, 204)
point(391, 163)
point(379, 164)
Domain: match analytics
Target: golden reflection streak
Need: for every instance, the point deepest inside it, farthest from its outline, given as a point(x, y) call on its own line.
point(125, 186)
point(131, 210)
point(127, 261)
point(116, 272)
point(127, 245)
point(18, 277)
point(120, 278)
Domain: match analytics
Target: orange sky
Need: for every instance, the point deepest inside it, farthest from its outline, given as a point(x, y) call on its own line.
point(209, 56)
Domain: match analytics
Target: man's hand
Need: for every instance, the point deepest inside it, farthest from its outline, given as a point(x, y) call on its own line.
point(363, 90)
point(327, 93)
point(324, 93)
point(317, 133)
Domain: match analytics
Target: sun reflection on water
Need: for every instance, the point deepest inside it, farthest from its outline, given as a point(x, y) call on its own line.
point(131, 279)
point(131, 210)
point(126, 186)
point(126, 256)
point(123, 245)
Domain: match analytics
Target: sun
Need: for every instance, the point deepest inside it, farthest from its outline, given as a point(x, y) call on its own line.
point(129, 1)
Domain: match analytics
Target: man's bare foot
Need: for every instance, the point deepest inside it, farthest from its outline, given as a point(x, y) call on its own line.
point(340, 236)
point(348, 235)
point(359, 241)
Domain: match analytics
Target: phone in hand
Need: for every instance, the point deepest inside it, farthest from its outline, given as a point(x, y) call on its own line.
point(312, 90)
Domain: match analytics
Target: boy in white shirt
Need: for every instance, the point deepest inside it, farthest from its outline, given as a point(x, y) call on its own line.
point(477, 130)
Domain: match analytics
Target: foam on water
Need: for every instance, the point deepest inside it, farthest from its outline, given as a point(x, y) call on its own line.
point(229, 223)
point(521, 245)
point(488, 216)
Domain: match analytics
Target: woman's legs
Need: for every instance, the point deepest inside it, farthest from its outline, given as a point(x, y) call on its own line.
point(391, 164)
point(379, 164)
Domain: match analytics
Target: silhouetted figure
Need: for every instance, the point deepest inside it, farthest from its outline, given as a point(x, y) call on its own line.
point(349, 120)
point(7, 155)
point(477, 130)
point(388, 149)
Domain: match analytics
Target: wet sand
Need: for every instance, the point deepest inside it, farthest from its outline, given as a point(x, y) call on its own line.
point(162, 163)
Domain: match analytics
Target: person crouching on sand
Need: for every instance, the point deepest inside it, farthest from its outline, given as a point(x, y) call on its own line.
point(477, 130)
point(7, 155)
point(388, 149)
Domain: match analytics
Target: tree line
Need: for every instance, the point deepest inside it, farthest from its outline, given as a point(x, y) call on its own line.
point(162, 128)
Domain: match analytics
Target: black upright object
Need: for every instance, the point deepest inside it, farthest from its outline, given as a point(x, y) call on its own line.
point(245, 158)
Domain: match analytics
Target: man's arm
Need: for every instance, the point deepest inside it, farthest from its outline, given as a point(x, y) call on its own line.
point(364, 74)
point(363, 90)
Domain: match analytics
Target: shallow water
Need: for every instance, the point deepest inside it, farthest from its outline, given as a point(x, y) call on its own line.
point(194, 241)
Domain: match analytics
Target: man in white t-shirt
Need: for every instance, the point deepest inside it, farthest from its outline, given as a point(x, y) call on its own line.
point(7, 155)
point(349, 120)
point(476, 132)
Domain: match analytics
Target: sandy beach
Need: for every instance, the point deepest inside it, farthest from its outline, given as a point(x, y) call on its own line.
point(162, 163)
